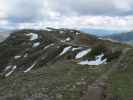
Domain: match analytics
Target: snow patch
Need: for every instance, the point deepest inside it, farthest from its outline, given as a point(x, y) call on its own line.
point(7, 68)
point(82, 53)
point(36, 44)
point(63, 41)
point(9, 73)
point(73, 49)
point(68, 39)
point(17, 57)
point(48, 46)
point(27, 70)
point(65, 50)
point(77, 33)
point(98, 61)
point(34, 36)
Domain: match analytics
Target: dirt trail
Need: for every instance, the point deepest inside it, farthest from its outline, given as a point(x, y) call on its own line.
point(96, 90)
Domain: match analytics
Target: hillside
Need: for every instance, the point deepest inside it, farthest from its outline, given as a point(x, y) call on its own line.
point(60, 64)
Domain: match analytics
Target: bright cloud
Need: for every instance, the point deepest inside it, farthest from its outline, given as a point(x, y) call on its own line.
point(79, 22)
point(113, 14)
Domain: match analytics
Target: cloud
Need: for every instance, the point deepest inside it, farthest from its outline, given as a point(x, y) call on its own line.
point(116, 14)
point(3, 9)
point(91, 7)
point(25, 10)
point(123, 5)
point(79, 22)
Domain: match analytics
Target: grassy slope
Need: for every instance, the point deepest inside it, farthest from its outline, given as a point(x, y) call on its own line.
point(121, 83)
point(61, 81)
point(66, 81)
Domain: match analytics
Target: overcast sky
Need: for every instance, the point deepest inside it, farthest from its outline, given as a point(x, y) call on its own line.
point(105, 14)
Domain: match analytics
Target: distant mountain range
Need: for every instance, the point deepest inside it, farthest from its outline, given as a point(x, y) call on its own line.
point(101, 32)
point(126, 37)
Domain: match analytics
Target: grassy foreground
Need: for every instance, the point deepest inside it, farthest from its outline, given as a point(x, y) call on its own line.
point(65, 80)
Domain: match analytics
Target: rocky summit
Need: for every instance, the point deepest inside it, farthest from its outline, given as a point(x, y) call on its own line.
point(54, 64)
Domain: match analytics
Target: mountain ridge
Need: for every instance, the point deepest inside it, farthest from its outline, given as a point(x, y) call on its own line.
point(126, 37)
point(29, 48)
point(57, 64)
